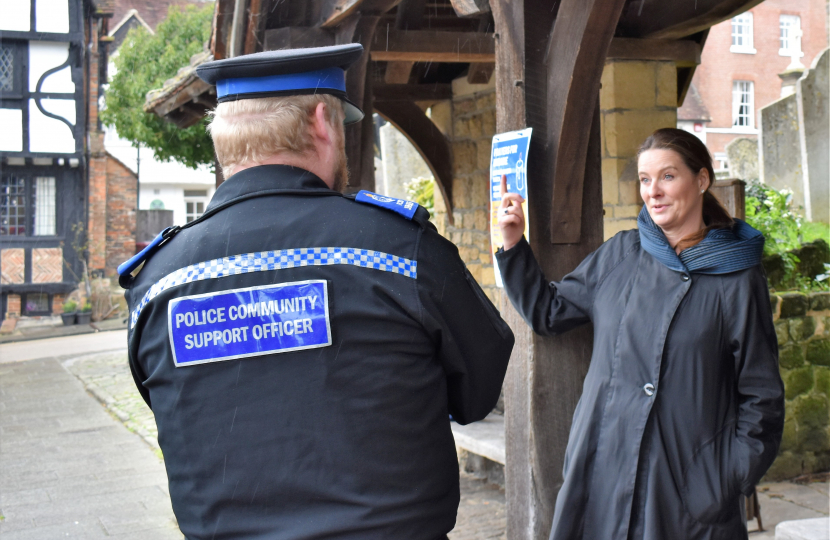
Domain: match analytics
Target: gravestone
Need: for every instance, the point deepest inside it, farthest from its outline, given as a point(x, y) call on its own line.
point(401, 162)
point(781, 148)
point(742, 156)
point(813, 90)
point(795, 142)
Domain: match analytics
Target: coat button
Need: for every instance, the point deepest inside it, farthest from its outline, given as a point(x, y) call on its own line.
point(684, 277)
point(649, 389)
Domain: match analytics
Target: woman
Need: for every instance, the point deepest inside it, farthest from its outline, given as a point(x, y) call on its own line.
point(682, 408)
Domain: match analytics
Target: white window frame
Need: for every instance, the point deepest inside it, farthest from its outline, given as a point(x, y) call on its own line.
point(45, 223)
point(740, 89)
point(784, 22)
point(746, 45)
point(194, 201)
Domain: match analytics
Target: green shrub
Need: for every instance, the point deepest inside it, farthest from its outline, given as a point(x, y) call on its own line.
point(87, 308)
point(70, 306)
point(772, 212)
point(422, 191)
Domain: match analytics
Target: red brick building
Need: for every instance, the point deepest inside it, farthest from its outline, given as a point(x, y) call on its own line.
point(740, 63)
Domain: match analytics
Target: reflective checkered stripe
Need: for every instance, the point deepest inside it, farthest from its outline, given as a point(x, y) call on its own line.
point(278, 260)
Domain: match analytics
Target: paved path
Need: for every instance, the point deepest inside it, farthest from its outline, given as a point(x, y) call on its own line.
point(63, 346)
point(68, 468)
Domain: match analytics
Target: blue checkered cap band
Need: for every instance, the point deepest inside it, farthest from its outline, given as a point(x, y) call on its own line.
point(263, 261)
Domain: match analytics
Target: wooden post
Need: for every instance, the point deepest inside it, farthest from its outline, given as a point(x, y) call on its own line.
point(544, 379)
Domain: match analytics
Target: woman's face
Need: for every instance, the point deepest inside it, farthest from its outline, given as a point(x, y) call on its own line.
point(672, 191)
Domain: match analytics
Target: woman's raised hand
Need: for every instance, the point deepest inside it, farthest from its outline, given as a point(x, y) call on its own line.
point(511, 216)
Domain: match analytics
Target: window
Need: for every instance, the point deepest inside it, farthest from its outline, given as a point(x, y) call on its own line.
point(36, 304)
point(743, 103)
point(194, 201)
point(6, 68)
point(13, 206)
point(157, 204)
point(27, 206)
point(11, 74)
point(194, 209)
point(742, 34)
point(44, 205)
point(790, 26)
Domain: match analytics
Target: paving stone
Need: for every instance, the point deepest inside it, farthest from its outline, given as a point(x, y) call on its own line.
point(81, 466)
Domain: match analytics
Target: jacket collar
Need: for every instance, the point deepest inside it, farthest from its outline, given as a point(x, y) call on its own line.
point(723, 251)
point(268, 179)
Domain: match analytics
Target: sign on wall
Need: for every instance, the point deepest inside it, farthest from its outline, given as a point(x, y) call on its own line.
point(508, 156)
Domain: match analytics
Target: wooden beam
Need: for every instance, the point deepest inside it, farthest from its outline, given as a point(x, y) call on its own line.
point(360, 28)
point(294, 37)
point(409, 17)
point(427, 140)
point(194, 89)
point(254, 28)
point(658, 19)
point(433, 46)
point(398, 72)
point(335, 11)
point(412, 92)
point(480, 73)
point(222, 18)
point(684, 53)
point(470, 8)
point(576, 55)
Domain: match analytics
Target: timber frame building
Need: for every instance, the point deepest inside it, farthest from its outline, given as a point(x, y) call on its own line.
point(56, 214)
point(593, 78)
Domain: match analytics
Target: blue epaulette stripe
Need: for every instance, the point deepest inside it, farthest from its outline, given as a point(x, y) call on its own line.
point(264, 261)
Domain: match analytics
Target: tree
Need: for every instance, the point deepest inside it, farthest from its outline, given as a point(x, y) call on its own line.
point(143, 63)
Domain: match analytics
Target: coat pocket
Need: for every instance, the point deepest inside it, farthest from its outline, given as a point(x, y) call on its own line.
point(711, 483)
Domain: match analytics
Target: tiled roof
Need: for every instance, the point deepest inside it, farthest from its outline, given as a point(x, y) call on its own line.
point(152, 11)
point(693, 107)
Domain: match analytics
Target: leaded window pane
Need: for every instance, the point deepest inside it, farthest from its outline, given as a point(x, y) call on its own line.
point(12, 206)
point(6, 68)
point(43, 203)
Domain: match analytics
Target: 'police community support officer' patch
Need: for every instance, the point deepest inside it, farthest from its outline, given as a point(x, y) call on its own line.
point(249, 322)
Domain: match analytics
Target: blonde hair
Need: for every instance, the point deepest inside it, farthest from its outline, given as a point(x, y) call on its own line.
point(251, 130)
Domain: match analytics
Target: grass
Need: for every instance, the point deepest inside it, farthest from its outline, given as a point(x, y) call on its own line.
point(814, 230)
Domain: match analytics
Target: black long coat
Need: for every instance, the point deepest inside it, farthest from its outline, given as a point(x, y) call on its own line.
point(683, 406)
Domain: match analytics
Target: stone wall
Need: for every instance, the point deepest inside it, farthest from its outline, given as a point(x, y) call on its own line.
point(637, 98)
point(802, 325)
point(473, 126)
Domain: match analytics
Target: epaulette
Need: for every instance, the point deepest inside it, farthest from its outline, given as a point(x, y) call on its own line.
point(408, 209)
point(125, 270)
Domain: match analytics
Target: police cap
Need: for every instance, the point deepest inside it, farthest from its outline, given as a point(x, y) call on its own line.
point(287, 72)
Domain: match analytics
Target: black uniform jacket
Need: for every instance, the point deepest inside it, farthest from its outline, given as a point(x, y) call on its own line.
point(682, 408)
point(344, 440)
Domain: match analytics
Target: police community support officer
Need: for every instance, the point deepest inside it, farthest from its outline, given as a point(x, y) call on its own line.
point(301, 349)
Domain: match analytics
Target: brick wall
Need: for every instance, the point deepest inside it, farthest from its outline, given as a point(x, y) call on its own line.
point(636, 99)
point(719, 67)
point(120, 214)
point(802, 325)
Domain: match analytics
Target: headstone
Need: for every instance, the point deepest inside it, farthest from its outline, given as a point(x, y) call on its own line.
point(742, 157)
point(781, 148)
point(401, 162)
point(813, 90)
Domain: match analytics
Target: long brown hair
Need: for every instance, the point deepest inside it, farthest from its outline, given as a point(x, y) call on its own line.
point(696, 156)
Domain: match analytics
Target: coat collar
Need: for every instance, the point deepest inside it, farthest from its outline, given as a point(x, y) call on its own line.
point(723, 251)
point(271, 179)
